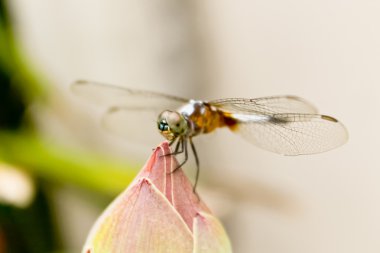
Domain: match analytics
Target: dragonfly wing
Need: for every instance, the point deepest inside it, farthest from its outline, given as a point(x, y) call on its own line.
point(265, 105)
point(110, 96)
point(130, 113)
point(291, 133)
point(135, 124)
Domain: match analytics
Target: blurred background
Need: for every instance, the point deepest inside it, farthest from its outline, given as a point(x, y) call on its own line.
point(59, 168)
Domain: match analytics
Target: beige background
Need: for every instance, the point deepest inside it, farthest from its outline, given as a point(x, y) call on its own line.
point(325, 51)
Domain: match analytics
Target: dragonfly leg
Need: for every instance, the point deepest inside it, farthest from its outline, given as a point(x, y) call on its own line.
point(172, 141)
point(184, 149)
point(197, 164)
point(177, 147)
point(170, 144)
point(179, 143)
point(176, 150)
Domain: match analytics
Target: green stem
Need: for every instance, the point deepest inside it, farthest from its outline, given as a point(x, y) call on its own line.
point(63, 165)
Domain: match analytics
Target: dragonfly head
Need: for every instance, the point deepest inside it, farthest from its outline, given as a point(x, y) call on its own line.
point(171, 124)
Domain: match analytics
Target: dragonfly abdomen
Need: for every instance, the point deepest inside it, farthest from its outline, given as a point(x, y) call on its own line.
point(228, 121)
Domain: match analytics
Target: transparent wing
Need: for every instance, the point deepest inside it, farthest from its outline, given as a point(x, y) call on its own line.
point(265, 105)
point(292, 133)
point(133, 123)
point(110, 96)
point(130, 113)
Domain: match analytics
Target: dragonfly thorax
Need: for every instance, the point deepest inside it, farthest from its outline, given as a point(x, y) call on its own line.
point(202, 117)
point(172, 124)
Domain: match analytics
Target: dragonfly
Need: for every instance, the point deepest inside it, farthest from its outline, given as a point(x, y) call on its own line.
point(287, 125)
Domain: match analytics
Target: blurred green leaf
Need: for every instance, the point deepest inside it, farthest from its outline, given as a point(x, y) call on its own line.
point(63, 165)
point(14, 65)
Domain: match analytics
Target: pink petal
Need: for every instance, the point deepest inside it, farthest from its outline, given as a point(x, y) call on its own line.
point(175, 186)
point(156, 214)
point(140, 220)
point(209, 235)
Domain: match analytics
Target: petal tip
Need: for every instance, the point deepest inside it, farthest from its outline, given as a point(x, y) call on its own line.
point(164, 146)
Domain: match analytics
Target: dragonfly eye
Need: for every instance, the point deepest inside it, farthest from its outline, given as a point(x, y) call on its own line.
point(163, 126)
point(171, 124)
point(177, 123)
